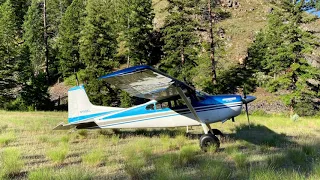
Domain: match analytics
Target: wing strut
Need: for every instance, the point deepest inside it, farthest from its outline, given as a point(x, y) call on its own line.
point(206, 127)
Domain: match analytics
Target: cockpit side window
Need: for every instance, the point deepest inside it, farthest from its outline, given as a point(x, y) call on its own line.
point(201, 95)
point(162, 105)
point(150, 107)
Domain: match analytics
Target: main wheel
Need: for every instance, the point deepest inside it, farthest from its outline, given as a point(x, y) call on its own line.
point(208, 141)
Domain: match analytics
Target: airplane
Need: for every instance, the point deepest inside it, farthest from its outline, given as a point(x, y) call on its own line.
point(173, 103)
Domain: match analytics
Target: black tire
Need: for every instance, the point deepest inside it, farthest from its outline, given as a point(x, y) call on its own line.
point(208, 140)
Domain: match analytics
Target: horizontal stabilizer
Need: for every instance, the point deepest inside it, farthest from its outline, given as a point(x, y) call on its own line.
point(63, 126)
point(86, 125)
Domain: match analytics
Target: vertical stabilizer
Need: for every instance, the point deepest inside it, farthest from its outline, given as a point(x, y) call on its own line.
point(78, 103)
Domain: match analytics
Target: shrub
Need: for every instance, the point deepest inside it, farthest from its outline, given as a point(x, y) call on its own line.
point(11, 162)
point(16, 105)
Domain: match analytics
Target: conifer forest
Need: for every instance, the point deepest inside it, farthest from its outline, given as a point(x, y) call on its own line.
point(47, 42)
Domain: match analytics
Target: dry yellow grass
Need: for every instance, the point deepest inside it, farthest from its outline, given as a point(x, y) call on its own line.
point(275, 145)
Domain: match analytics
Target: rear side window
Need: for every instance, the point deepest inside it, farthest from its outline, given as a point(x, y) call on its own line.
point(150, 107)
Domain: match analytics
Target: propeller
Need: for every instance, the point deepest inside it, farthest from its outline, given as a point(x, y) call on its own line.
point(246, 104)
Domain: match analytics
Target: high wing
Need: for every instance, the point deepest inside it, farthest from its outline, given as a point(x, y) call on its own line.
point(146, 82)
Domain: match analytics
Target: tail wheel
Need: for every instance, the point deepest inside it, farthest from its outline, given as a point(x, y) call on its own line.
point(208, 141)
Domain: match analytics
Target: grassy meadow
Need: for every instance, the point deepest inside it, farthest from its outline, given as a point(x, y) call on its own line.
point(275, 147)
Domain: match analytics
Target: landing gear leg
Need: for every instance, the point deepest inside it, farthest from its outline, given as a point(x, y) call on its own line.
point(217, 132)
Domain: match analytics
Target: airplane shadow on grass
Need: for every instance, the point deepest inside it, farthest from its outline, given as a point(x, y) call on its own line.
point(284, 154)
point(279, 152)
point(261, 135)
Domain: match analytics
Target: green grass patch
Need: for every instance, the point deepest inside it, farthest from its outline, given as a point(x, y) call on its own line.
point(115, 139)
point(274, 174)
point(187, 155)
point(70, 173)
point(297, 157)
point(165, 166)
point(179, 141)
point(3, 128)
point(43, 138)
point(58, 154)
point(137, 156)
point(10, 162)
point(214, 169)
point(7, 138)
point(240, 159)
point(83, 133)
point(94, 158)
point(292, 151)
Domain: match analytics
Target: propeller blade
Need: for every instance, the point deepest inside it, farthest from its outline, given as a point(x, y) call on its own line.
point(247, 112)
point(246, 104)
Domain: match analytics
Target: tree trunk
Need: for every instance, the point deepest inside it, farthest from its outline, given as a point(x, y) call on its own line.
point(182, 56)
point(45, 36)
point(213, 62)
point(128, 58)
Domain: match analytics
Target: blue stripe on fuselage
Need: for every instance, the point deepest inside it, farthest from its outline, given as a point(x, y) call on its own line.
point(89, 116)
point(157, 117)
point(142, 111)
point(211, 102)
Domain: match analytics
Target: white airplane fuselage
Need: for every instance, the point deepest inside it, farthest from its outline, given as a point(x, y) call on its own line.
point(140, 117)
point(210, 109)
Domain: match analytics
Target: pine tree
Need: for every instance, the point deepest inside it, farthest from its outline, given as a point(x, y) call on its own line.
point(280, 51)
point(33, 36)
point(35, 89)
point(181, 43)
point(69, 35)
point(139, 16)
point(97, 49)
point(8, 51)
